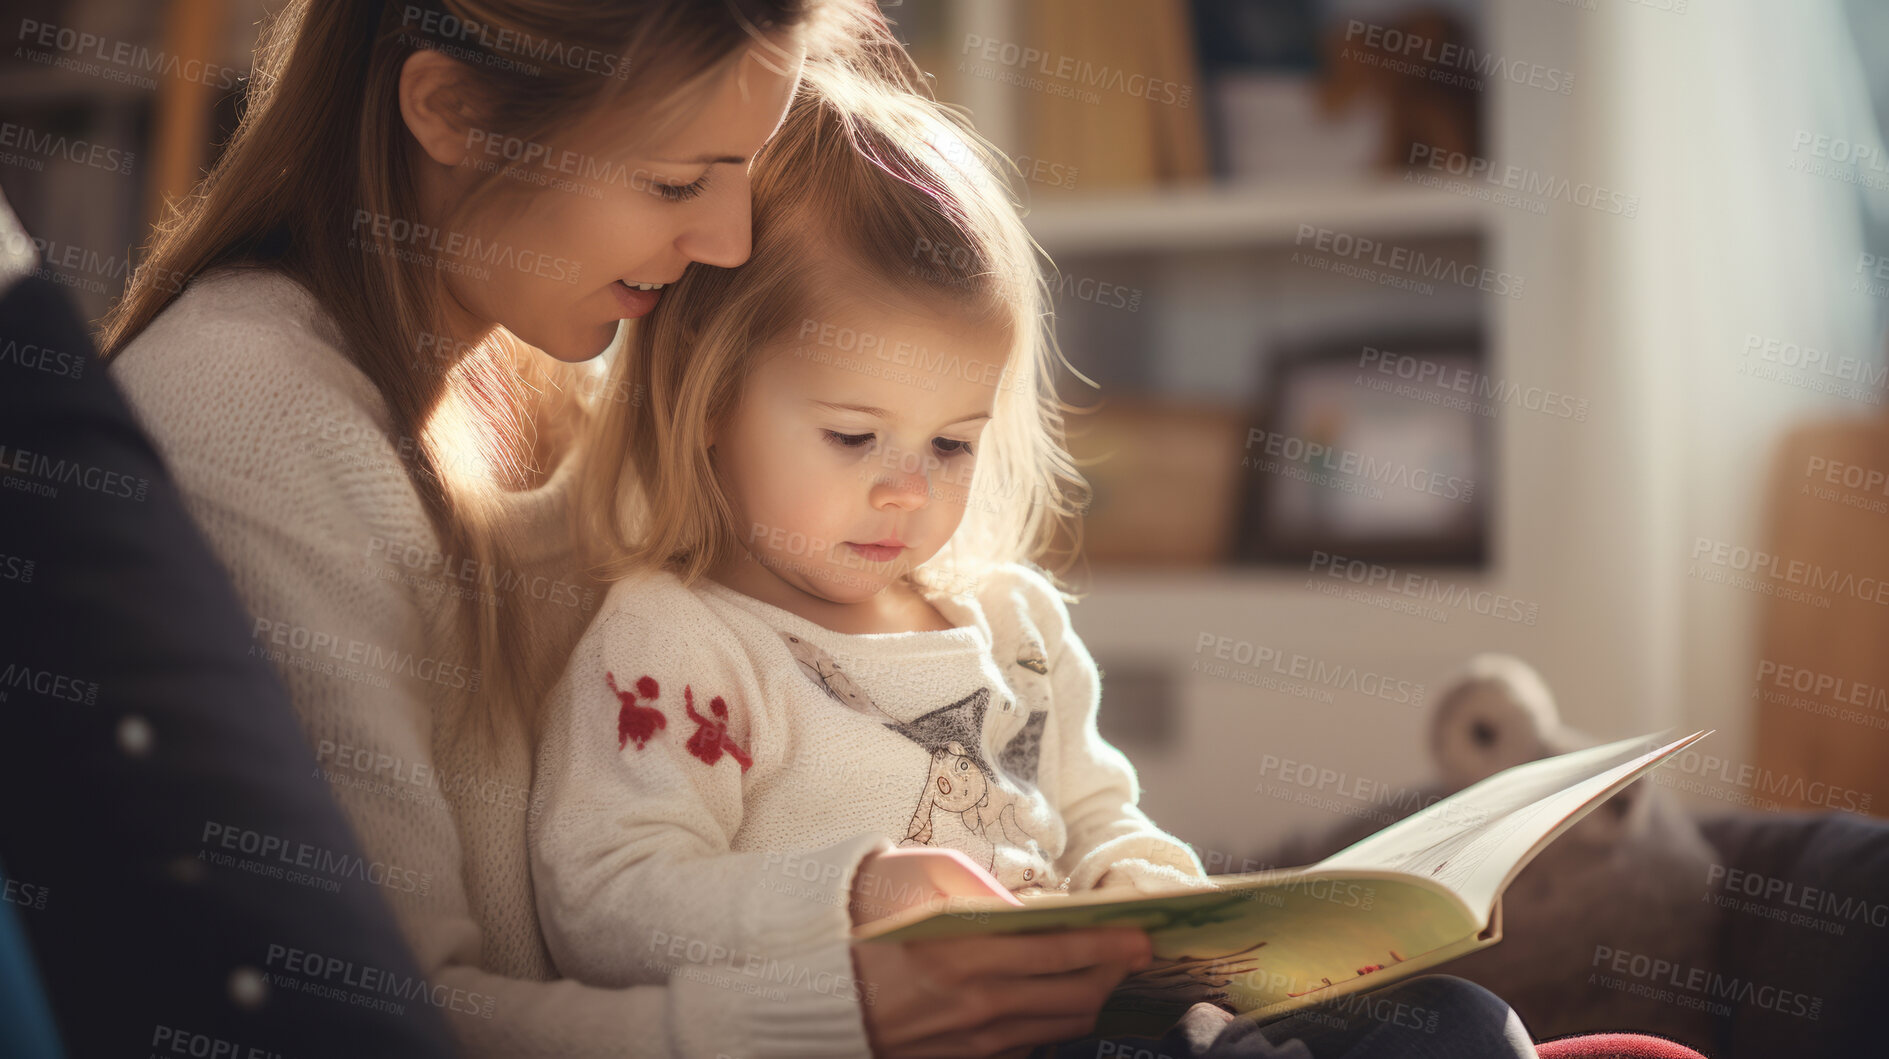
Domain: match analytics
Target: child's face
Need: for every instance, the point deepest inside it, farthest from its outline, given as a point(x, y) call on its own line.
point(849, 455)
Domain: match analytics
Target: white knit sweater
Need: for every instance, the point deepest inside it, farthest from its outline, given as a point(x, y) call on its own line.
point(715, 767)
point(284, 453)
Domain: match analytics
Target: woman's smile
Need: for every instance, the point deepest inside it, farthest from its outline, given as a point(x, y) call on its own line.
point(636, 300)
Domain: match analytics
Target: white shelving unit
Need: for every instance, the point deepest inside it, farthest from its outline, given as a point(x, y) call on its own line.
point(1216, 260)
point(1231, 216)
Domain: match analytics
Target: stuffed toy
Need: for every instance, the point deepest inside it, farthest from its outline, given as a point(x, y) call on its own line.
point(1631, 877)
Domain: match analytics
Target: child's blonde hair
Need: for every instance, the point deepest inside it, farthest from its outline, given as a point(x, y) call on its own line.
point(862, 188)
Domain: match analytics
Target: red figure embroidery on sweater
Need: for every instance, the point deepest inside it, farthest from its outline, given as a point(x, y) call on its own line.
point(711, 734)
point(636, 722)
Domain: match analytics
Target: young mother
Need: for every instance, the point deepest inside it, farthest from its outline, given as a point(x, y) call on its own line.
point(358, 347)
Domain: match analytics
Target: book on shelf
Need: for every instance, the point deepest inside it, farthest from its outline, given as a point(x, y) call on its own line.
point(1408, 899)
point(1110, 92)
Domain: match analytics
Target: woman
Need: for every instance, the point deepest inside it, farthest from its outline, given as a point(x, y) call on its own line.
point(358, 345)
point(315, 345)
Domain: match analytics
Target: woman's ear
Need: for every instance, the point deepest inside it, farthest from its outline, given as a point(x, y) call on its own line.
point(437, 105)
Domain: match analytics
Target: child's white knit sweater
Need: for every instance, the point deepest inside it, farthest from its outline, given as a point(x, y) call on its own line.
point(714, 769)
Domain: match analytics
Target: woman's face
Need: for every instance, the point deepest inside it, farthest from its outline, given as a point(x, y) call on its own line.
point(557, 265)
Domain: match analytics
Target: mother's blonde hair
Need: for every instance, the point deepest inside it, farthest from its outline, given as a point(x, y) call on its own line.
point(890, 193)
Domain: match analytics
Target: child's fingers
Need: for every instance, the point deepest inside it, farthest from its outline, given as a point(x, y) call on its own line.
point(945, 870)
point(959, 876)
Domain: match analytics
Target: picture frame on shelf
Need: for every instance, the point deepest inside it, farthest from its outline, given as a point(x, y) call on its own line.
point(1375, 448)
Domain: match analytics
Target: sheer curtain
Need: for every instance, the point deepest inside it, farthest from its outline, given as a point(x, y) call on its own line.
point(1737, 122)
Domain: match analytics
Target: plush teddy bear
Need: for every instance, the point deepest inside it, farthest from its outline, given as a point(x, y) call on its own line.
point(1630, 877)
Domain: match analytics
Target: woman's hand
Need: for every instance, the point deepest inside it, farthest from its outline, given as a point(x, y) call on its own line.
point(898, 879)
point(990, 996)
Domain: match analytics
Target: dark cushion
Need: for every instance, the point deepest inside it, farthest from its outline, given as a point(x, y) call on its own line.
point(1827, 877)
point(132, 724)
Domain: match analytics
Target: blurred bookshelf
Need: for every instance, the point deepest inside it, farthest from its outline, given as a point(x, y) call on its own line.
point(1201, 173)
point(1217, 216)
point(111, 111)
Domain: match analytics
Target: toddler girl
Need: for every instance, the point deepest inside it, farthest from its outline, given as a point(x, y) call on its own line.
point(834, 462)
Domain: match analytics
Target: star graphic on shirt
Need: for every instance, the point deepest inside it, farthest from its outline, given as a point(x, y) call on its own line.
point(962, 723)
point(1020, 755)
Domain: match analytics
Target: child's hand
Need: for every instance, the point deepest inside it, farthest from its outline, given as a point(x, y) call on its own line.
point(898, 879)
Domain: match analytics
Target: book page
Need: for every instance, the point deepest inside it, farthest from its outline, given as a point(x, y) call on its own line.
point(1474, 841)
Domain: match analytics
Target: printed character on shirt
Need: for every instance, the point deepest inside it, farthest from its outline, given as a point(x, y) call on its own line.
point(961, 793)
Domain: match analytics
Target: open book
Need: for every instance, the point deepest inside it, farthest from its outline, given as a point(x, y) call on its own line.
point(1417, 894)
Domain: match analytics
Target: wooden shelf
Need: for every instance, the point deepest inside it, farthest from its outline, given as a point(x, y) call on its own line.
point(1229, 580)
point(1225, 216)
